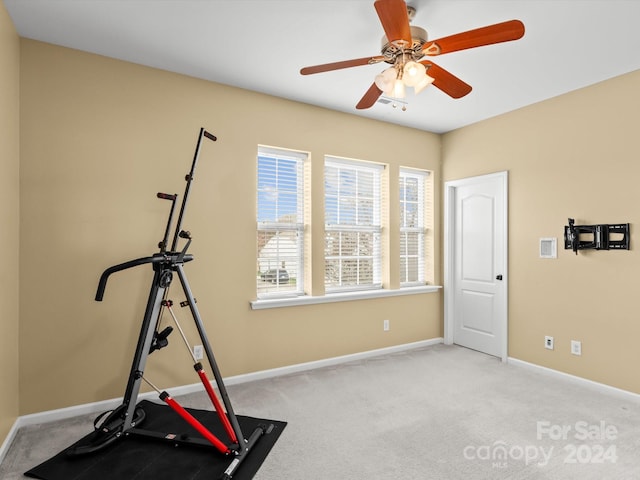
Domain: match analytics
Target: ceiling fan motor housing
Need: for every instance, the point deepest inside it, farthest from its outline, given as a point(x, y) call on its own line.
point(391, 50)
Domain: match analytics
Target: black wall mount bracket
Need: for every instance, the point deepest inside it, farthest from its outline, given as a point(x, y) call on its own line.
point(605, 236)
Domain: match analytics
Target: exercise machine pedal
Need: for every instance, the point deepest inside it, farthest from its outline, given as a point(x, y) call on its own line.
point(107, 429)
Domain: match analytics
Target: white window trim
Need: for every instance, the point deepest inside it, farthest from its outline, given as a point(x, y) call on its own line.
point(337, 162)
point(422, 175)
point(299, 228)
point(263, 303)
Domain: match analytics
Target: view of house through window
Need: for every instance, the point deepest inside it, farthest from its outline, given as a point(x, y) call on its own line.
point(352, 248)
point(412, 227)
point(354, 202)
point(280, 222)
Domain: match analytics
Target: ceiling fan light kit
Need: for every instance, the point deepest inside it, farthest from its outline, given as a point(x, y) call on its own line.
point(404, 46)
point(394, 80)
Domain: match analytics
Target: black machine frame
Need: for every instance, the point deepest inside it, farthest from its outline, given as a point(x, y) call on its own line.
point(127, 418)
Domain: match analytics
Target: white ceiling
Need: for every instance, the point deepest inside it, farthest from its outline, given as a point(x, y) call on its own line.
point(261, 45)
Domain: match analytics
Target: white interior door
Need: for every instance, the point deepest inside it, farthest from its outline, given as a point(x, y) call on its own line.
point(476, 263)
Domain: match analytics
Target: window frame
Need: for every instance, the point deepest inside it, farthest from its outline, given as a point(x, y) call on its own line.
point(374, 228)
point(421, 230)
point(274, 228)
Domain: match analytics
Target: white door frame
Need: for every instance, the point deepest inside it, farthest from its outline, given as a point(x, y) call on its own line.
point(449, 247)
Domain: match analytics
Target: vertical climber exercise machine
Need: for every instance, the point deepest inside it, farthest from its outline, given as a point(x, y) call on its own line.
point(127, 418)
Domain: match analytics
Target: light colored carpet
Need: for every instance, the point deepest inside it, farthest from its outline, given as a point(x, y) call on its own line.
point(440, 412)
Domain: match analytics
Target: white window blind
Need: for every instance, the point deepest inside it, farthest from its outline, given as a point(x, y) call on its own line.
point(412, 227)
point(352, 225)
point(280, 222)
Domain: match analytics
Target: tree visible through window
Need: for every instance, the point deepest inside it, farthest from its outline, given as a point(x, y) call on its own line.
point(280, 222)
point(352, 225)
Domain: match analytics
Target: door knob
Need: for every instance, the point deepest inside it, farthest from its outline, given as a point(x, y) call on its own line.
point(499, 277)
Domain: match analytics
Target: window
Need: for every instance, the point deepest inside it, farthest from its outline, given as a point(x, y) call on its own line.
point(352, 248)
point(412, 227)
point(280, 222)
point(356, 252)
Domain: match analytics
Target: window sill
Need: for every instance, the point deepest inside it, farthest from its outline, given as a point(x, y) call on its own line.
point(340, 297)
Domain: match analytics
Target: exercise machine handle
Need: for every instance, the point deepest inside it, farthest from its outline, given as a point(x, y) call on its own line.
point(102, 285)
point(167, 196)
point(165, 240)
point(181, 257)
point(164, 256)
point(189, 179)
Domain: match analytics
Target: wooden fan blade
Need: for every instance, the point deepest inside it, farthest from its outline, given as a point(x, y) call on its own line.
point(445, 81)
point(498, 33)
point(369, 98)
point(395, 20)
point(327, 67)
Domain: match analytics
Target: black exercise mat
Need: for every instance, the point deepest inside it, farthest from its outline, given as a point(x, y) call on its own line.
point(142, 458)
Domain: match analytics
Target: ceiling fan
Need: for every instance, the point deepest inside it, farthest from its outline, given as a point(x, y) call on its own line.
point(404, 46)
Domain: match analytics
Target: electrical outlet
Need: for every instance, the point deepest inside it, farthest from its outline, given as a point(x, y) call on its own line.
point(198, 352)
point(385, 325)
point(576, 347)
point(548, 342)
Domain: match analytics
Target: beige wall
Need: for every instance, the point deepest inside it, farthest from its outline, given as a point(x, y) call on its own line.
point(571, 156)
point(99, 138)
point(9, 218)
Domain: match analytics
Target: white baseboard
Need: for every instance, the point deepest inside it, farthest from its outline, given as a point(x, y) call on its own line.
point(106, 405)
point(301, 367)
point(8, 440)
point(602, 387)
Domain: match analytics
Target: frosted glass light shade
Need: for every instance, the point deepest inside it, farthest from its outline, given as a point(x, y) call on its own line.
point(426, 81)
point(398, 89)
point(385, 80)
point(413, 74)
